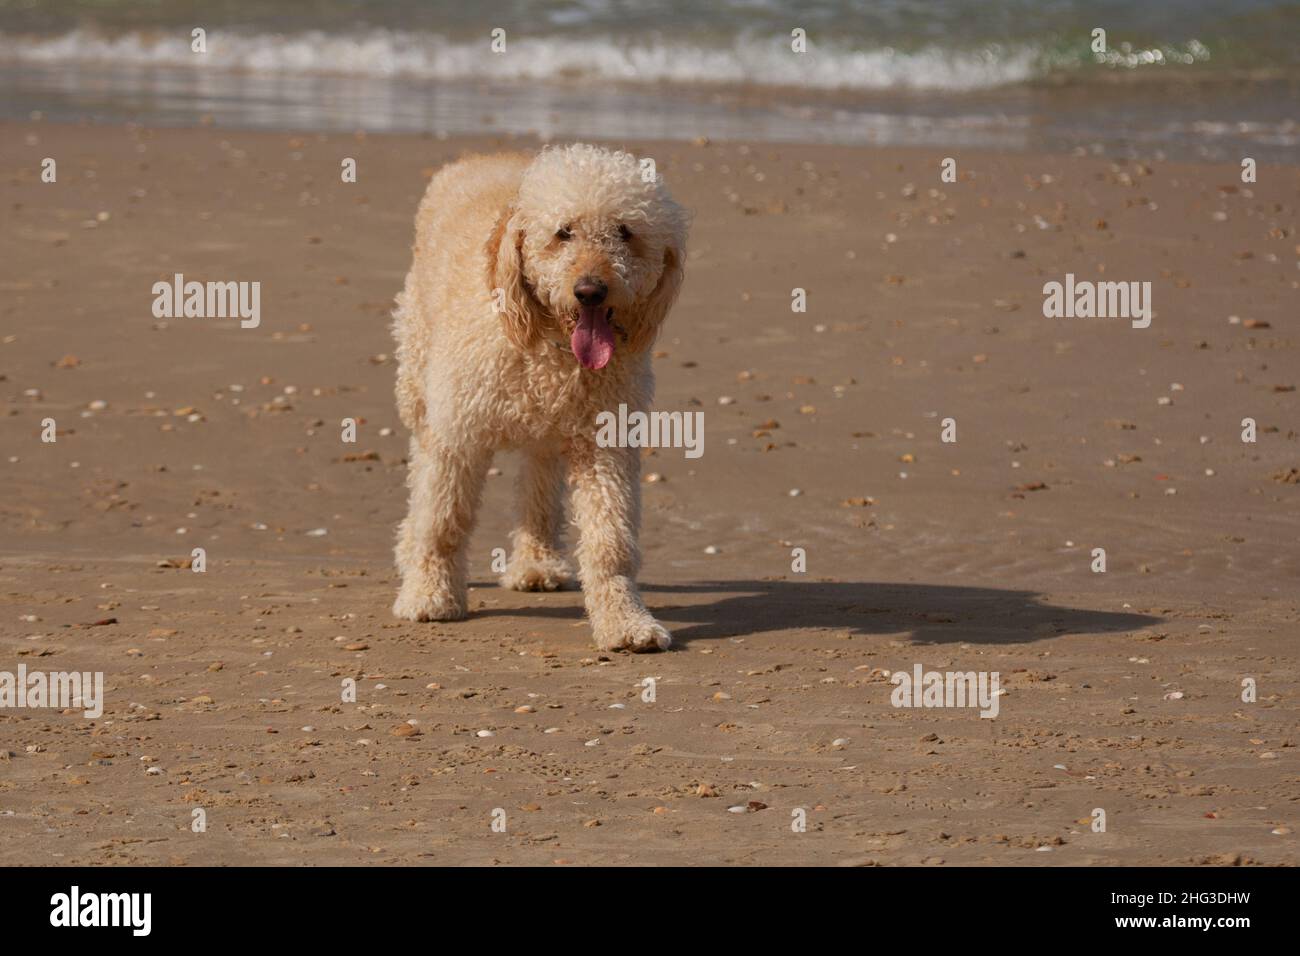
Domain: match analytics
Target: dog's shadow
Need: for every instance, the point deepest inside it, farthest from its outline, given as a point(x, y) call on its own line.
point(929, 613)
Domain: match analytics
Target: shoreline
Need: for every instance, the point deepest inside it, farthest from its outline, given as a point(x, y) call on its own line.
point(1192, 121)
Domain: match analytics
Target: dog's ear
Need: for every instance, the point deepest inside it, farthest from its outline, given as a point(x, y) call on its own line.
point(521, 314)
point(656, 306)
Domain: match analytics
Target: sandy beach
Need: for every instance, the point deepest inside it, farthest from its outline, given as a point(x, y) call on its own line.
point(1124, 689)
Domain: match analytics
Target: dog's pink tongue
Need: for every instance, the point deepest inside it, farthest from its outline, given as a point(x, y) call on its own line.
point(593, 339)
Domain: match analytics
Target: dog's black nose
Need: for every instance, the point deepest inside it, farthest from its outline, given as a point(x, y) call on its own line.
point(590, 291)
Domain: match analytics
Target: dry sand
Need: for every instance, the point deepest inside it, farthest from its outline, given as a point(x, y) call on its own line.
point(974, 555)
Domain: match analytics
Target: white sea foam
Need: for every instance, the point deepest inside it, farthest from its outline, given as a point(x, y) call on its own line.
point(765, 61)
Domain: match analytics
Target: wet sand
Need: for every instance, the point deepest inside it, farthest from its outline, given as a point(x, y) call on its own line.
point(924, 303)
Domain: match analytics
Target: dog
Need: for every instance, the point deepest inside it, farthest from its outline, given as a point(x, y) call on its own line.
point(537, 288)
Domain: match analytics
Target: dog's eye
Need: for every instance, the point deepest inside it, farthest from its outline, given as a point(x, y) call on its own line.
point(625, 233)
point(563, 234)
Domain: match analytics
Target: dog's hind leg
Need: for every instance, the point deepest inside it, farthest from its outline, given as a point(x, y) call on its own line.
point(607, 504)
point(409, 335)
point(536, 560)
point(446, 484)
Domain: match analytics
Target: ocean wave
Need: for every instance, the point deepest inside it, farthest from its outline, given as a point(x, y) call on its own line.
point(380, 53)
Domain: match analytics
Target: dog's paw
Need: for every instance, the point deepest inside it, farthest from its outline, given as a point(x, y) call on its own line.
point(537, 574)
point(640, 636)
point(414, 604)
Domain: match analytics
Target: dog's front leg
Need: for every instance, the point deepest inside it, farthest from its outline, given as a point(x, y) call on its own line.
point(446, 483)
point(607, 505)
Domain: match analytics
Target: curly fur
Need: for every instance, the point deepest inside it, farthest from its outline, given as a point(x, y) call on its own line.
point(482, 328)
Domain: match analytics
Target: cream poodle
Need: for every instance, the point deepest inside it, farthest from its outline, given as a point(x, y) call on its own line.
point(537, 289)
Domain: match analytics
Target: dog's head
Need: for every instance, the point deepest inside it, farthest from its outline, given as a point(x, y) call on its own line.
point(589, 254)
